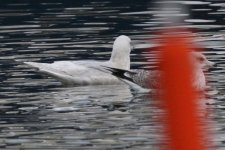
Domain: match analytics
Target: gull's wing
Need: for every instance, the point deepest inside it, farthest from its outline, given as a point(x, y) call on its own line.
point(133, 78)
point(75, 72)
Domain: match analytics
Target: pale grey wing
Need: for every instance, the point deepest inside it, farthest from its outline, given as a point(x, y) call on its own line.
point(71, 68)
point(59, 67)
point(66, 72)
point(75, 72)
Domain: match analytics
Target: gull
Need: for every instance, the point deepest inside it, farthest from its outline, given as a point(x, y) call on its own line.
point(84, 72)
point(143, 81)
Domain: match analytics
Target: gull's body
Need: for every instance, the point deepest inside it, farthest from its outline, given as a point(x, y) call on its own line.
point(84, 72)
point(141, 80)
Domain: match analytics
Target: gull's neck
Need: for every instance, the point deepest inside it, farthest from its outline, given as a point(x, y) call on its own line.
point(199, 78)
point(120, 59)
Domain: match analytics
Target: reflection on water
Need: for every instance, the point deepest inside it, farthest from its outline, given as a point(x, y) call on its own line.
point(37, 112)
point(81, 116)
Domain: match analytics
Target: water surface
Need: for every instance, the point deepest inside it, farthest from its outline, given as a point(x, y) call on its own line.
point(37, 112)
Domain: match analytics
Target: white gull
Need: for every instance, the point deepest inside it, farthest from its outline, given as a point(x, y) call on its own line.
point(143, 81)
point(83, 72)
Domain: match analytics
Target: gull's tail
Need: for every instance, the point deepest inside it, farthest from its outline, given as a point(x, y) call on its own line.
point(47, 69)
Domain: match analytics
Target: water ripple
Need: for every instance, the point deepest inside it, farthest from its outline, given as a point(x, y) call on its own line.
point(36, 111)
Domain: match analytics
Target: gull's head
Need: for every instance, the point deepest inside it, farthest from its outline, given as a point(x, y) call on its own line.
point(201, 61)
point(121, 52)
point(122, 43)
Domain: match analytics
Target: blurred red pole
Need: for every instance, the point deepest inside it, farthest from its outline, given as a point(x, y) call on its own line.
point(183, 127)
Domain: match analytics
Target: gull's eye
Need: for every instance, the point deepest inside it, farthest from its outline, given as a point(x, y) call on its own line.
point(201, 59)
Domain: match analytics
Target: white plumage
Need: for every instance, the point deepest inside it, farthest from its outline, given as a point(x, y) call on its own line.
point(84, 72)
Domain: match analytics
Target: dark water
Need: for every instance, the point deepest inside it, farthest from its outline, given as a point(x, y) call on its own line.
point(37, 112)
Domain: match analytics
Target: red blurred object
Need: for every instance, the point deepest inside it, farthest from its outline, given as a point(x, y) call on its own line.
point(179, 98)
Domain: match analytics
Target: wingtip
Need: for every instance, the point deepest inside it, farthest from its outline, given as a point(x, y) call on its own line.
point(27, 62)
point(34, 65)
point(30, 63)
